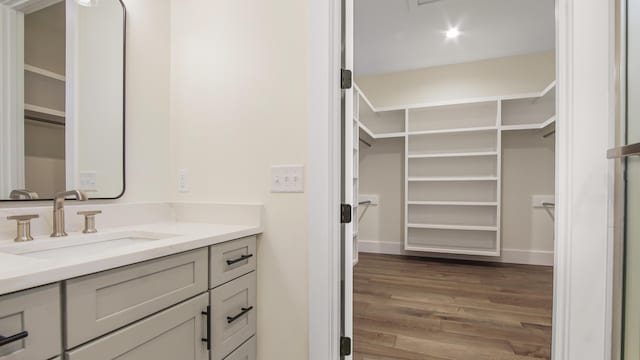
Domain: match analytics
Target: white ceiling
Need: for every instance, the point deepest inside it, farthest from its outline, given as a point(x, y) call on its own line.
point(396, 35)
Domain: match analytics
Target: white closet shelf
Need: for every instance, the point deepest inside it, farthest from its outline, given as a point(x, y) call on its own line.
point(44, 110)
point(381, 135)
point(390, 135)
point(453, 155)
point(44, 72)
point(453, 203)
point(453, 131)
point(539, 126)
point(453, 227)
point(453, 178)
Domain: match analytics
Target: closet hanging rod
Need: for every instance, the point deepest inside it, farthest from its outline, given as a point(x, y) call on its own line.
point(367, 202)
point(46, 121)
point(548, 204)
point(365, 142)
point(549, 134)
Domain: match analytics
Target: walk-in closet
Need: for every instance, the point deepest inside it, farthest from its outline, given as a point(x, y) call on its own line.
point(453, 179)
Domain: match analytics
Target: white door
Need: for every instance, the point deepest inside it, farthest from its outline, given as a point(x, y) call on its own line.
point(631, 330)
point(348, 193)
point(627, 155)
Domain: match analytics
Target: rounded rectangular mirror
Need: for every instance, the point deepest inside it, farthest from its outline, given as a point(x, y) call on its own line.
point(62, 96)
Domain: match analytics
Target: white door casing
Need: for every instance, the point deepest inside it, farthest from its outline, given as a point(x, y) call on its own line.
point(582, 259)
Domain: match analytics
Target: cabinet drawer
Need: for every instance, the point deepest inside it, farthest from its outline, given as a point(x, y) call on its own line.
point(103, 302)
point(36, 312)
point(234, 315)
point(232, 259)
point(245, 352)
point(173, 334)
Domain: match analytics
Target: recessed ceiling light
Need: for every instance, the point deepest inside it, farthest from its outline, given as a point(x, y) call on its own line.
point(453, 33)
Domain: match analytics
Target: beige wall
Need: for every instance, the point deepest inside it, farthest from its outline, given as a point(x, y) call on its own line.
point(528, 169)
point(235, 111)
point(382, 174)
point(509, 75)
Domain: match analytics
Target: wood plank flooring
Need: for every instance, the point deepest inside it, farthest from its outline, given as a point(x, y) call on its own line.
point(422, 309)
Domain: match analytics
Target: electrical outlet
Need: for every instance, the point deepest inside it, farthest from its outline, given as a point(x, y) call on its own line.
point(183, 180)
point(287, 179)
point(88, 181)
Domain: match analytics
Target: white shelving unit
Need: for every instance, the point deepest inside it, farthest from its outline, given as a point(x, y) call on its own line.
point(453, 156)
point(355, 173)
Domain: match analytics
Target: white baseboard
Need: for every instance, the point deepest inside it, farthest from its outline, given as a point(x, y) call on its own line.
point(511, 256)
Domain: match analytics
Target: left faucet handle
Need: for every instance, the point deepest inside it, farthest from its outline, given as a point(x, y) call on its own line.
point(24, 226)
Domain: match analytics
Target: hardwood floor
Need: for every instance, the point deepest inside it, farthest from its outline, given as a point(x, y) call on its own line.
point(422, 309)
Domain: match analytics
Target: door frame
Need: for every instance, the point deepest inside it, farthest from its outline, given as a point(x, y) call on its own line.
point(583, 266)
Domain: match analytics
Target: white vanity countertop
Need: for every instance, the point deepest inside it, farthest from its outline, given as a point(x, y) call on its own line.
point(20, 272)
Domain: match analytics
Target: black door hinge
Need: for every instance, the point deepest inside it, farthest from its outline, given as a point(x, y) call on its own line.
point(345, 346)
point(346, 79)
point(345, 213)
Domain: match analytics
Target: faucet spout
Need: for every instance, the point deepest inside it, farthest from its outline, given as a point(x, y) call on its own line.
point(58, 210)
point(18, 194)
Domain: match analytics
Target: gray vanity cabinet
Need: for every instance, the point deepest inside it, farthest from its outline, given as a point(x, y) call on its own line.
point(232, 259)
point(175, 333)
point(233, 298)
point(100, 303)
point(245, 352)
point(32, 318)
point(234, 315)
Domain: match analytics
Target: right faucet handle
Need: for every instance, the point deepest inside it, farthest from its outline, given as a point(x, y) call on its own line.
point(90, 221)
point(24, 226)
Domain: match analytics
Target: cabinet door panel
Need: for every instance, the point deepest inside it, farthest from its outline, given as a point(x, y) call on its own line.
point(36, 312)
point(245, 352)
point(175, 333)
point(232, 259)
point(103, 302)
point(234, 315)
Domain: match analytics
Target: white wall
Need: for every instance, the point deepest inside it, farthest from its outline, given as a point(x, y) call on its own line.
point(238, 106)
point(147, 101)
point(509, 75)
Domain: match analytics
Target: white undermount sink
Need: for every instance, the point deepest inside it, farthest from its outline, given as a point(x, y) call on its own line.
point(81, 245)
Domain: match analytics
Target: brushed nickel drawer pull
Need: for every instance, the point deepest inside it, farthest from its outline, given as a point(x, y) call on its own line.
point(13, 338)
point(241, 258)
point(231, 319)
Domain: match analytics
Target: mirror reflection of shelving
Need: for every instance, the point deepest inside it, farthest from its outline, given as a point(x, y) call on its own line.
point(44, 99)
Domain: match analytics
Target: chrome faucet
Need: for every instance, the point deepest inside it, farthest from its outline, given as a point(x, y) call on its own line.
point(58, 210)
point(19, 194)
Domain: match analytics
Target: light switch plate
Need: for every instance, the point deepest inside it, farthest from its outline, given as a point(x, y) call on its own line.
point(287, 179)
point(88, 181)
